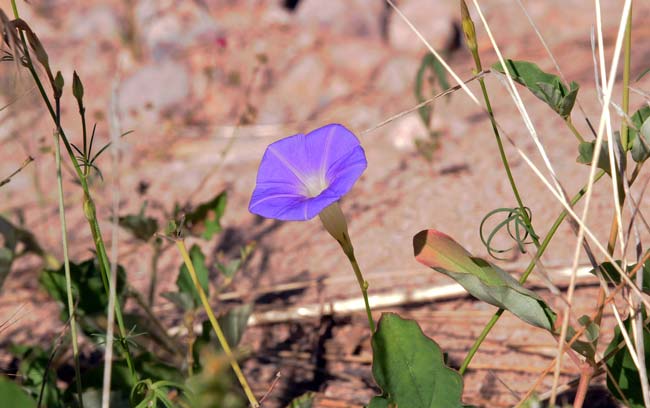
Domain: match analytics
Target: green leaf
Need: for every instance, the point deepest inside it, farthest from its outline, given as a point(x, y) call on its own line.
point(87, 288)
point(410, 369)
point(13, 238)
point(639, 135)
point(642, 74)
point(481, 279)
point(622, 368)
point(140, 226)
point(32, 369)
point(184, 280)
point(592, 330)
point(228, 270)
point(611, 275)
point(306, 400)
point(205, 220)
point(13, 396)
point(586, 155)
point(233, 324)
point(429, 63)
point(547, 87)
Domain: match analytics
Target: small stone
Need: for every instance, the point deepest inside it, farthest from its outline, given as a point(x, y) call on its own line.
point(347, 17)
point(98, 22)
point(359, 58)
point(297, 94)
point(153, 89)
point(406, 131)
point(397, 75)
point(165, 29)
point(432, 18)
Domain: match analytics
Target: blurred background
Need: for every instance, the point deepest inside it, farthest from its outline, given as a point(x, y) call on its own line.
point(204, 86)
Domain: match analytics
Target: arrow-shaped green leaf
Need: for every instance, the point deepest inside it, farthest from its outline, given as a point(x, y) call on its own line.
point(481, 279)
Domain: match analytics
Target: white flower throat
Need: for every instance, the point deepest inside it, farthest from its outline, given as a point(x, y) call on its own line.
point(314, 184)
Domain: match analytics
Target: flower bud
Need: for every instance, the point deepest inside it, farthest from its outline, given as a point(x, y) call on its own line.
point(58, 85)
point(89, 208)
point(334, 222)
point(77, 88)
point(468, 27)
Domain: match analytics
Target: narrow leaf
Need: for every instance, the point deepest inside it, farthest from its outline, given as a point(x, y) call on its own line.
point(622, 369)
point(306, 400)
point(481, 279)
point(139, 225)
point(205, 220)
point(639, 135)
point(184, 280)
point(13, 396)
point(586, 155)
point(547, 87)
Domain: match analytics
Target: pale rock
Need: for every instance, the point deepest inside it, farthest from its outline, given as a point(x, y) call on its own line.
point(275, 14)
point(337, 87)
point(353, 114)
point(99, 22)
point(405, 131)
point(153, 90)
point(165, 29)
point(397, 75)
point(432, 18)
point(346, 17)
point(359, 58)
point(298, 93)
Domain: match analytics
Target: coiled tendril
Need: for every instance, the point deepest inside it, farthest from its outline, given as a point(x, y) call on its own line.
point(516, 226)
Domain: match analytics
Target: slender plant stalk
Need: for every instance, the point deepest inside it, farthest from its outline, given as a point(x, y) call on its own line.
point(157, 246)
point(363, 284)
point(586, 374)
point(470, 37)
point(575, 132)
point(547, 240)
point(89, 208)
point(66, 265)
point(334, 222)
point(167, 341)
point(215, 325)
point(191, 339)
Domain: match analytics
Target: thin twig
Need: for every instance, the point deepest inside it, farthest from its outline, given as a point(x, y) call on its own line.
point(115, 139)
point(7, 179)
point(278, 375)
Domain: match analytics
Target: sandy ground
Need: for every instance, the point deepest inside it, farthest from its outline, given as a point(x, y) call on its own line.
point(185, 73)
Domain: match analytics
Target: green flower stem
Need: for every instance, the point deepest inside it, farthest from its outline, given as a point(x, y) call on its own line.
point(157, 249)
point(334, 222)
point(575, 132)
point(547, 240)
point(66, 264)
point(215, 325)
point(94, 225)
point(470, 36)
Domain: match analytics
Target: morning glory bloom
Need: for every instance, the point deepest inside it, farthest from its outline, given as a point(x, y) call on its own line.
point(301, 175)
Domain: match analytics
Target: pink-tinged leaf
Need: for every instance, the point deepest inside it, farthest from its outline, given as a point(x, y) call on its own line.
point(481, 279)
point(437, 250)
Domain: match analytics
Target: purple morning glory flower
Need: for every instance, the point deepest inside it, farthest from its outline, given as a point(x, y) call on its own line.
point(301, 175)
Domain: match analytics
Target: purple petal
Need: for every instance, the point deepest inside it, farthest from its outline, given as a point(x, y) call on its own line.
point(345, 172)
point(331, 154)
point(329, 144)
